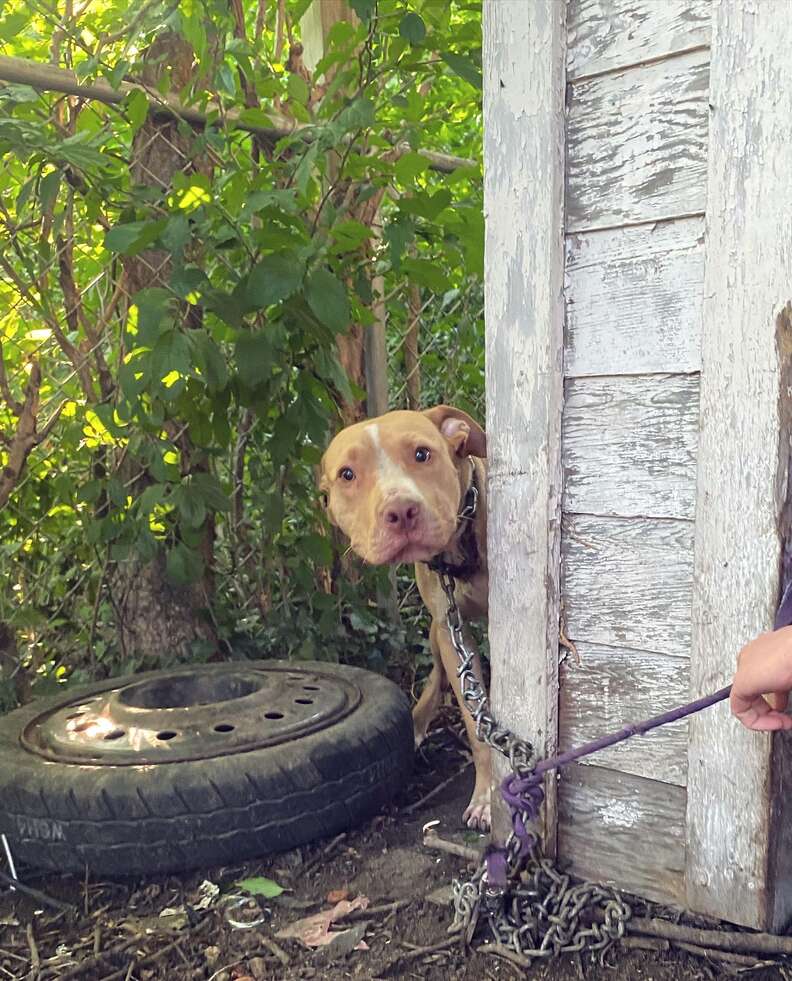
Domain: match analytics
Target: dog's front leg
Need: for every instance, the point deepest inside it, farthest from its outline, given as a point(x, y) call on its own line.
point(477, 814)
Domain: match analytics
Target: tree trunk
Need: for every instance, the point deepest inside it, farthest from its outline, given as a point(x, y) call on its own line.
point(154, 616)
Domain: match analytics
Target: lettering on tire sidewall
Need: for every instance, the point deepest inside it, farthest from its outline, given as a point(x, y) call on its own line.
point(42, 829)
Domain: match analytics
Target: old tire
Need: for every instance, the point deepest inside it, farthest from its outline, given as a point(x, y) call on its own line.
point(162, 812)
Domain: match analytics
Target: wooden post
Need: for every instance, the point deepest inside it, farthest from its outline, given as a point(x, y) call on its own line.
point(524, 78)
point(739, 816)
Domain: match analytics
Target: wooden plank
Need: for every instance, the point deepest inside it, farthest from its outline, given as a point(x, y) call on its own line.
point(523, 201)
point(629, 446)
point(633, 299)
point(609, 687)
point(627, 582)
point(735, 835)
point(604, 35)
point(624, 831)
point(637, 144)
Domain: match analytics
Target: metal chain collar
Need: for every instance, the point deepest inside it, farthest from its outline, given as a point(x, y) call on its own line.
point(530, 907)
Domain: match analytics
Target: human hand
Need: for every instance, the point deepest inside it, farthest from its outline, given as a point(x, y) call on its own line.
point(764, 666)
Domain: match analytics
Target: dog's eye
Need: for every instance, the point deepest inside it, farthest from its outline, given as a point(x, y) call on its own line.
point(346, 473)
point(422, 455)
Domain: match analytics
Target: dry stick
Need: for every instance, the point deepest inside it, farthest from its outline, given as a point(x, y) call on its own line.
point(277, 950)
point(317, 859)
point(725, 956)
point(436, 790)
point(747, 943)
point(93, 962)
point(645, 943)
point(425, 951)
point(499, 950)
point(384, 909)
point(35, 960)
point(49, 78)
point(433, 842)
point(36, 894)
point(141, 962)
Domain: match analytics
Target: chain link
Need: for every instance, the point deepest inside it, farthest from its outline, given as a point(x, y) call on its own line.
point(530, 907)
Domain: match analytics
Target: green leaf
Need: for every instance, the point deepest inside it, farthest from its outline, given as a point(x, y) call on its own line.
point(151, 497)
point(256, 118)
point(137, 109)
point(410, 166)
point(360, 114)
point(327, 297)
point(273, 279)
point(365, 9)
point(210, 360)
point(184, 565)
point(254, 357)
point(398, 234)
point(190, 505)
point(305, 167)
point(11, 25)
point(318, 549)
point(48, 190)
point(133, 237)
point(350, 235)
point(412, 28)
point(261, 886)
point(123, 237)
point(463, 67)
point(211, 491)
point(153, 309)
point(298, 89)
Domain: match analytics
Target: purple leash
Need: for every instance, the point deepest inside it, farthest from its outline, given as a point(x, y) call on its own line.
point(524, 795)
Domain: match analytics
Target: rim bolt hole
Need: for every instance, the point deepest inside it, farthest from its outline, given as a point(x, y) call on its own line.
point(304, 701)
point(224, 727)
point(166, 734)
point(115, 734)
point(273, 715)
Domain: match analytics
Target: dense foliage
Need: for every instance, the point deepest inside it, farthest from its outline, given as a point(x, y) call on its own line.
point(176, 301)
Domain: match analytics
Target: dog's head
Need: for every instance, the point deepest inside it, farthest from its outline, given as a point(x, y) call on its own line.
point(394, 484)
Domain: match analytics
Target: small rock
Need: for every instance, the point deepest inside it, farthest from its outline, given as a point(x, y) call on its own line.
point(212, 956)
point(258, 968)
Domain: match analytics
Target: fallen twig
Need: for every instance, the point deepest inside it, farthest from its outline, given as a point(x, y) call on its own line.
point(383, 909)
point(36, 894)
point(725, 956)
point(747, 943)
point(436, 790)
point(96, 961)
point(499, 950)
point(437, 844)
point(418, 952)
point(125, 972)
point(645, 943)
point(277, 950)
point(317, 859)
point(35, 960)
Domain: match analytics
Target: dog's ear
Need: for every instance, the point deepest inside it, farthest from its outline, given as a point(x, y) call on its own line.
point(464, 434)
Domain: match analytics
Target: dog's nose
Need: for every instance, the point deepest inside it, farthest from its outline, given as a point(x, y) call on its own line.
point(401, 515)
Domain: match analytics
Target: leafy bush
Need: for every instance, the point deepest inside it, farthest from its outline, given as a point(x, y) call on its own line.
point(190, 293)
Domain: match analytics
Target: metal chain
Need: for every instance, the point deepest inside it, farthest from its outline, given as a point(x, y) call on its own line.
point(530, 907)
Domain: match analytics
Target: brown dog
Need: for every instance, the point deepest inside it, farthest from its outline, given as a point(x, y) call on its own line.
point(395, 486)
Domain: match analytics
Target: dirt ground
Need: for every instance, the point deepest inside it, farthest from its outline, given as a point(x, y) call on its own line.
point(115, 931)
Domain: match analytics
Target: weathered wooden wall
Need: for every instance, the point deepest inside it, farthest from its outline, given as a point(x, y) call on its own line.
point(638, 74)
point(674, 431)
point(523, 195)
point(739, 803)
